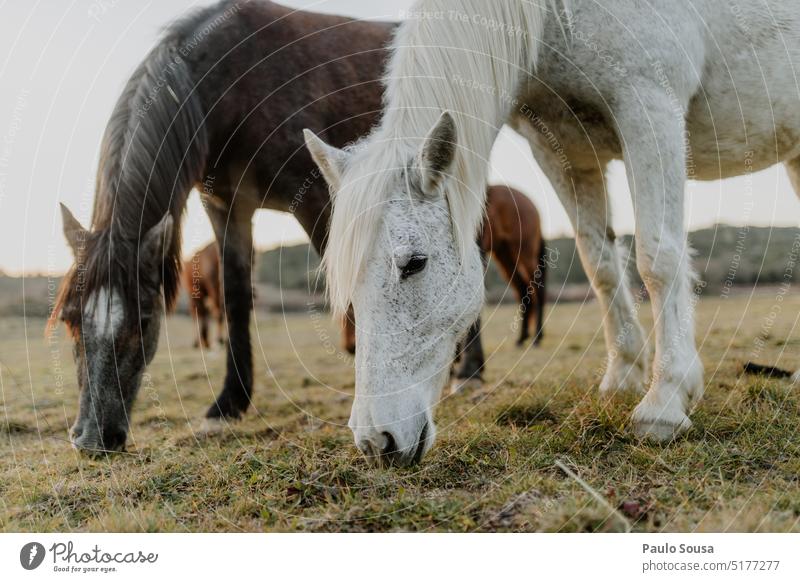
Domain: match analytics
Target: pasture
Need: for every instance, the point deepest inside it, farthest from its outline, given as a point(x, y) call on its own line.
point(498, 464)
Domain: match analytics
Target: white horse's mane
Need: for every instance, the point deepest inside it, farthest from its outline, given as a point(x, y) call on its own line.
point(448, 55)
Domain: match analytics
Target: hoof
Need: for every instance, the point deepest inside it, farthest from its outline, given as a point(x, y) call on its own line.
point(659, 424)
point(225, 409)
point(463, 385)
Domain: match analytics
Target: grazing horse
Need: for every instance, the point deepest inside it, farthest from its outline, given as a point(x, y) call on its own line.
point(512, 234)
point(676, 90)
point(201, 280)
point(218, 104)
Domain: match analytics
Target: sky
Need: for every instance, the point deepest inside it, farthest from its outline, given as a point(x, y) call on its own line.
point(64, 62)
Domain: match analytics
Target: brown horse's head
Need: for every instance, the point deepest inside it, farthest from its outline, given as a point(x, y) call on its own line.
point(113, 313)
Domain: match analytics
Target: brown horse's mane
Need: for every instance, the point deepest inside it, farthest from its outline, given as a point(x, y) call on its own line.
point(153, 151)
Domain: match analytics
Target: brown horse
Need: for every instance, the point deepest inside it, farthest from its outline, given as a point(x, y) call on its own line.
point(512, 234)
point(201, 279)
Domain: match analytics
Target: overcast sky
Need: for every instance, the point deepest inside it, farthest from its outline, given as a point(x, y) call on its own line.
point(63, 64)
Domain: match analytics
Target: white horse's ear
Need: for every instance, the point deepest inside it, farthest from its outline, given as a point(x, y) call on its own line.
point(329, 159)
point(73, 231)
point(438, 152)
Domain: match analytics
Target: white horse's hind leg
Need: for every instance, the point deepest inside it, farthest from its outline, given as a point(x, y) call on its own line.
point(583, 195)
point(655, 158)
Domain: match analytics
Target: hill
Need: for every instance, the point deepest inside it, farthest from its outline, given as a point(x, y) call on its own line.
point(725, 257)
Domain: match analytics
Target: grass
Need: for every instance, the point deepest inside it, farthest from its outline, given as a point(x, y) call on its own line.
point(291, 465)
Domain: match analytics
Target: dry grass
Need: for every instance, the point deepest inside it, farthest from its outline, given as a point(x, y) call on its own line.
point(291, 464)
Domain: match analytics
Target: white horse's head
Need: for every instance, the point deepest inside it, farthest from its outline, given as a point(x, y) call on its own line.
point(415, 285)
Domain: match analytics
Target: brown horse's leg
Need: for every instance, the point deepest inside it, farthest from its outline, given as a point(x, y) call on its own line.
point(538, 303)
point(518, 277)
point(217, 309)
point(232, 227)
point(195, 305)
point(539, 295)
point(472, 358)
point(525, 294)
point(202, 319)
point(471, 351)
point(221, 336)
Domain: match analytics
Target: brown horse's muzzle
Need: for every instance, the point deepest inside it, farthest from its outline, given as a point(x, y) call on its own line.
point(95, 440)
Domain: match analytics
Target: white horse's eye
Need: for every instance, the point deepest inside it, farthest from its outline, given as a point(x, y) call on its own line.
point(415, 265)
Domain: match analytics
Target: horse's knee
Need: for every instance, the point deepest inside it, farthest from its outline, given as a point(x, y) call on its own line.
point(660, 263)
point(607, 276)
point(599, 253)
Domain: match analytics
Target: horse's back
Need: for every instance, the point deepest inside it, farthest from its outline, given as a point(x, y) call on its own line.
point(728, 68)
point(745, 113)
point(266, 72)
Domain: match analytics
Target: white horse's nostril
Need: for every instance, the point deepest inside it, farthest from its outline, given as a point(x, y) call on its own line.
point(365, 447)
point(384, 449)
point(389, 444)
point(382, 441)
point(377, 445)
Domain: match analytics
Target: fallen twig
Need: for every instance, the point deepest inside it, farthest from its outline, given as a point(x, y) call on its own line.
point(599, 498)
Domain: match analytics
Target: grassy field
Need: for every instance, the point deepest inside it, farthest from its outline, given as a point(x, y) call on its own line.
point(498, 465)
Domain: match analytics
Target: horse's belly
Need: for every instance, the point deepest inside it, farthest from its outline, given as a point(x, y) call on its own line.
point(717, 156)
point(745, 113)
point(743, 124)
point(740, 123)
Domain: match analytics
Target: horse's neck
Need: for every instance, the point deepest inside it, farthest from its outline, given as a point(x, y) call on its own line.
point(468, 57)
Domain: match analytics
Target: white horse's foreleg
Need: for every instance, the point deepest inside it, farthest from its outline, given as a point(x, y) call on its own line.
point(583, 195)
point(653, 146)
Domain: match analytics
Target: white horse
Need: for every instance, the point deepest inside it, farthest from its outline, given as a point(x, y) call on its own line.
point(700, 89)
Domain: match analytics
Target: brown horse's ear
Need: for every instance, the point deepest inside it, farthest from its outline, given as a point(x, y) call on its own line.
point(73, 231)
point(438, 153)
point(329, 159)
point(155, 243)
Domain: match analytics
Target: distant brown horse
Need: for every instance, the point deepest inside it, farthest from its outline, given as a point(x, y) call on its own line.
point(201, 279)
point(512, 234)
